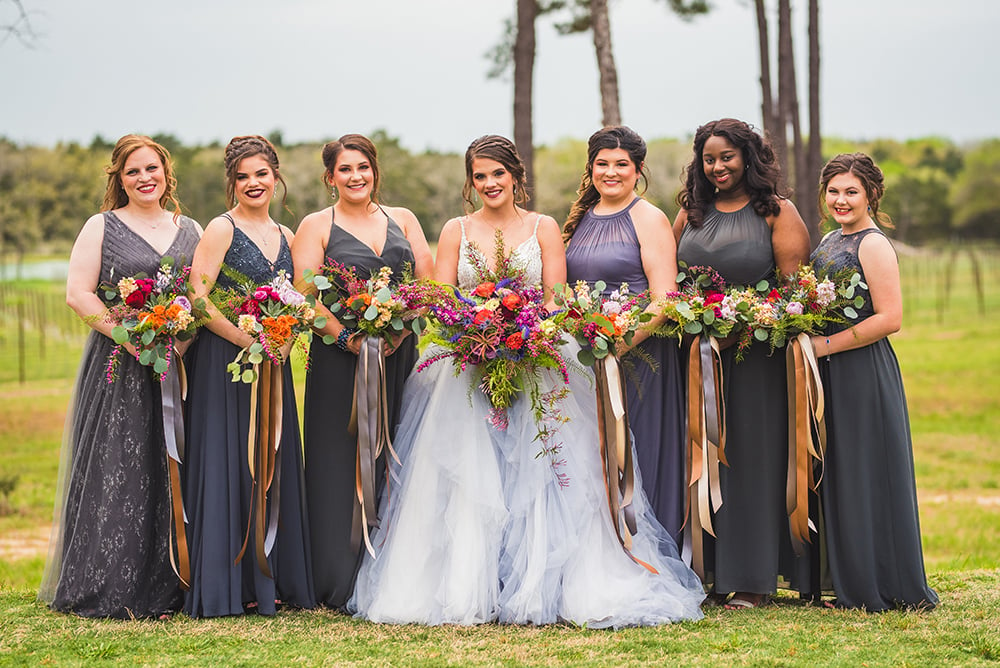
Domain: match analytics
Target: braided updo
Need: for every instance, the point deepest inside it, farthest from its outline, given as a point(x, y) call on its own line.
point(247, 146)
point(501, 149)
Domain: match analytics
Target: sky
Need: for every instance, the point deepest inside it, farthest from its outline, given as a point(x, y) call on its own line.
point(207, 70)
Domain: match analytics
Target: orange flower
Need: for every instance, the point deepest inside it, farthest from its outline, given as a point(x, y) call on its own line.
point(155, 318)
point(279, 329)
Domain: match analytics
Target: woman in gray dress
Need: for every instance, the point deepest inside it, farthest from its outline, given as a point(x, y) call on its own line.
point(869, 493)
point(735, 219)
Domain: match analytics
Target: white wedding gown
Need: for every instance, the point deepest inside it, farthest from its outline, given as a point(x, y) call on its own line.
point(477, 528)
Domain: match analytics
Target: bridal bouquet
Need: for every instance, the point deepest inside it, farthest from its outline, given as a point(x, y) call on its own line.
point(600, 323)
point(273, 314)
point(153, 314)
point(375, 306)
point(803, 304)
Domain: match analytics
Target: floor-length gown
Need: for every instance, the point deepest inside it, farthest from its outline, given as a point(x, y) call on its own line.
point(752, 544)
point(868, 491)
point(218, 485)
point(605, 247)
point(480, 529)
point(110, 553)
point(330, 449)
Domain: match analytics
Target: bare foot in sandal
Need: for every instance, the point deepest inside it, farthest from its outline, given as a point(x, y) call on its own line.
point(744, 600)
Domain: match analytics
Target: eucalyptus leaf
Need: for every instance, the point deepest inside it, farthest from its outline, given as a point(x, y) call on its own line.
point(145, 356)
point(760, 334)
point(160, 365)
point(320, 321)
point(762, 286)
point(329, 339)
point(248, 376)
point(600, 343)
point(255, 358)
point(371, 313)
point(586, 357)
point(850, 312)
point(119, 334)
point(148, 336)
point(383, 295)
point(693, 327)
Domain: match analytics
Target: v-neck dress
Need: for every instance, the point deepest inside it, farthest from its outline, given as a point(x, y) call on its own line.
point(218, 490)
point(111, 543)
point(330, 449)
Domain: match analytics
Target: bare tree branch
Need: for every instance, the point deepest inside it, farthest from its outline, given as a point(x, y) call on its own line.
point(17, 26)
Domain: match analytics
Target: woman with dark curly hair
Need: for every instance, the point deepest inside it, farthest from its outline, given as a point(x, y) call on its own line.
point(868, 491)
point(735, 218)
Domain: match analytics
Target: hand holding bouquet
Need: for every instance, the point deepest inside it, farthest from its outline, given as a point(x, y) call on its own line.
point(702, 306)
point(598, 323)
point(153, 314)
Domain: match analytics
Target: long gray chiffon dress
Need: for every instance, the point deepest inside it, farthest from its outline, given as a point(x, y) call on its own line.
point(330, 447)
point(868, 491)
point(605, 247)
point(110, 553)
point(752, 544)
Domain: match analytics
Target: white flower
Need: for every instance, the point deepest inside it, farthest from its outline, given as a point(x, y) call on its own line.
point(247, 324)
point(795, 308)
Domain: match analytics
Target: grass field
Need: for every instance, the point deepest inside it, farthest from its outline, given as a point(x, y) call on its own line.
point(949, 351)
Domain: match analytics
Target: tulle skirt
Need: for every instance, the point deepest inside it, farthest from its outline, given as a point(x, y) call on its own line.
point(481, 524)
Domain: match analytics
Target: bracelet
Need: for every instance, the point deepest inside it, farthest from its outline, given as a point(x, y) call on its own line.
point(828, 349)
point(345, 334)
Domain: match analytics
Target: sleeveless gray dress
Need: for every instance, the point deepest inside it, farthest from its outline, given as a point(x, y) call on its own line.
point(218, 487)
point(868, 491)
point(330, 450)
point(111, 552)
point(605, 247)
point(752, 546)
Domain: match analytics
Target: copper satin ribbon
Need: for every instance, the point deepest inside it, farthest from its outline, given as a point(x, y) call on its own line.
point(263, 441)
point(173, 389)
point(616, 451)
point(706, 447)
point(806, 436)
point(370, 421)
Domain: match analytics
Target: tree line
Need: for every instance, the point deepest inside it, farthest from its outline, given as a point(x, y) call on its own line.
point(936, 190)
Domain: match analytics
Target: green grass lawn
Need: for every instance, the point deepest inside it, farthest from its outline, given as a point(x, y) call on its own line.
point(949, 351)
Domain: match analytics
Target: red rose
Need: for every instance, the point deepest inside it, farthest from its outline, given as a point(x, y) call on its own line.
point(714, 297)
point(482, 316)
point(773, 295)
point(515, 341)
point(484, 290)
point(511, 301)
point(136, 298)
point(261, 294)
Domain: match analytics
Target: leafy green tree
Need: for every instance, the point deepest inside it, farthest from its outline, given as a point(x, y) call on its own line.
point(974, 193)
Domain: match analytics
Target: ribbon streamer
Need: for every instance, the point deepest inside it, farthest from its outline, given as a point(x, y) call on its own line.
point(616, 451)
point(370, 422)
point(263, 441)
point(706, 422)
point(173, 390)
point(806, 437)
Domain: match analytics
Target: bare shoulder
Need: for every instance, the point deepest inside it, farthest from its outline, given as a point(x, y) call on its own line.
point(548, 225)
point(877, 247)
point(316, 220)
point(646, 214)
point(400, 214)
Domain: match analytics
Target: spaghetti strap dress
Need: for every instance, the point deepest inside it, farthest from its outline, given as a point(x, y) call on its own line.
point(110, 548)
point(605, 247)
point(868, 492)
point(330, 449)
point(219, 488)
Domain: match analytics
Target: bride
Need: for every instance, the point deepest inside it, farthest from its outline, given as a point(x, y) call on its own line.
point(476, 528)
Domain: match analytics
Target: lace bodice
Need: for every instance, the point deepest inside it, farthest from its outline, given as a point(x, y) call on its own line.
point(528, 255)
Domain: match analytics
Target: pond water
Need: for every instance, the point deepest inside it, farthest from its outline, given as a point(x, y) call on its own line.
point(45, 270)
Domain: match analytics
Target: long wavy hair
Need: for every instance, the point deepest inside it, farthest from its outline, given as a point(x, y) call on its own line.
point(612, 137)
point(115, 196)
point(503, 150)
point(352, 142)
point(761, 176)
point(864, 168)
point(247, 146)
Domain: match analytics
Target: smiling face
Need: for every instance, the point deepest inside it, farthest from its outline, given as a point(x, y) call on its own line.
point(847, 201)
point(493, 183)
point(255, 182)
point(143, 177)
point(723, 164)
point(614, 174)
point(353, 176)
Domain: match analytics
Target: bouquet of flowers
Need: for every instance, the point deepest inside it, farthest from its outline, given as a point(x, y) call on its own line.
point(600, 323)
point(152, 314)
point(702, 306)
point(273, 313)
point(374, 306)
point(803, 304)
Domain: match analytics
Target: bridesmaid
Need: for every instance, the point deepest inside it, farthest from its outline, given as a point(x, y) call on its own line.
point(735, 219)
point(111, 542)
point(219, 486)
point(616, 236)
point(357, 231)
point(869, 494)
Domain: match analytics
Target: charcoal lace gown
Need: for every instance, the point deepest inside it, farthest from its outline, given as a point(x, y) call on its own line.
point(868, 491)
point(479, 528)
point(605, 247)
point(330, 450)
point(752, 544)
point(218, 485)
point(110, 548)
